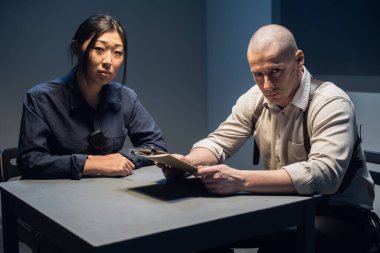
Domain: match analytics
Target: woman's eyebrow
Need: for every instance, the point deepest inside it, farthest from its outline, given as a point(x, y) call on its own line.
point(105, 42)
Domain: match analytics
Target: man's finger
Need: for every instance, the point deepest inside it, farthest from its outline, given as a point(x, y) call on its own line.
point(205, 171)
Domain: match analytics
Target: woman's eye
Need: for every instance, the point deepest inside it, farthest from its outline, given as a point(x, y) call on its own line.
point(99, 49)
point(119, 53)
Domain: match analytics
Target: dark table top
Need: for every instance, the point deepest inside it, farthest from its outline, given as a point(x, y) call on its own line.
point(106, 211)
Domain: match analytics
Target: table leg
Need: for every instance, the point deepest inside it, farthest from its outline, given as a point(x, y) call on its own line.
point(10, 232)
point(306, 231)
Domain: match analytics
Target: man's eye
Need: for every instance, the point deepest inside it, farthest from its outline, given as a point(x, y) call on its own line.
point(257, 74)
point(274, 71)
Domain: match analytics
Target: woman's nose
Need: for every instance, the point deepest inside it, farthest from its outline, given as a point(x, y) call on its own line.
point(107, 60)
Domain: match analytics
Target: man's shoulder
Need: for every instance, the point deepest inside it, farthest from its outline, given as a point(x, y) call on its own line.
point(328, 95)
point(255, 90)
point(329, 90)
point(251, 102)
point(254, 94)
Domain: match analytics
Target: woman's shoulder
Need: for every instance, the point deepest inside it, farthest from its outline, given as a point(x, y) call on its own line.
point(125, 90)
point(51, 87)
point(46, 89)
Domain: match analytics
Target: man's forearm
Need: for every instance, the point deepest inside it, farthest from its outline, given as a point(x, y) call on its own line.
point(202, 156)
point(267, 181)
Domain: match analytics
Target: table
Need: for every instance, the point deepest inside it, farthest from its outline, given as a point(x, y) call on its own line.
point(145, 213)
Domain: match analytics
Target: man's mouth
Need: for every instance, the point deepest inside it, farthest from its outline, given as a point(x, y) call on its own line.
point(273, 94)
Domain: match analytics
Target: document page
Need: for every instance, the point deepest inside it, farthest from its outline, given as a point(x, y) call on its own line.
point(164, 158)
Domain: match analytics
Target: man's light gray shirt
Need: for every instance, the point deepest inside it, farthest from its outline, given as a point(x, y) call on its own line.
point(332, 129)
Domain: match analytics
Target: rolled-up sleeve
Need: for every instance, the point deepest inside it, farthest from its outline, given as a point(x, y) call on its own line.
point(143, 132)
point(236, 129)
point(332, 131)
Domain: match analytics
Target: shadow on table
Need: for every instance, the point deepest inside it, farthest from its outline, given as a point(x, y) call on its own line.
point(174, 190)
point(190, 187)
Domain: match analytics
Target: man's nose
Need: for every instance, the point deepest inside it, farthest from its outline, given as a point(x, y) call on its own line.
point(268, 85)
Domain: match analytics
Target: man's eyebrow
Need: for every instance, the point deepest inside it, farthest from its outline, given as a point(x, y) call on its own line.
point(105, 42)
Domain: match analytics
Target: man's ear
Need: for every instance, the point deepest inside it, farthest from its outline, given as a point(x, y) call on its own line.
point(300, 58)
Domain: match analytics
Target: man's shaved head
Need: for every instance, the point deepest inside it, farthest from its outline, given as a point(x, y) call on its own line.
point(276, 63)
point(273, 37)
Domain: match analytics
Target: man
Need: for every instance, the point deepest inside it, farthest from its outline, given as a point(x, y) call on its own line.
point(308, 139)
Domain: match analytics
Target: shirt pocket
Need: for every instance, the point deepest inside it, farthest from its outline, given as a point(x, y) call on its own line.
point(116, 139)
point(296, 152)
point(118, 143)
point(78, 143)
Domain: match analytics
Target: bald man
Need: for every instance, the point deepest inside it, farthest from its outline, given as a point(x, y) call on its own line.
point(308, 139)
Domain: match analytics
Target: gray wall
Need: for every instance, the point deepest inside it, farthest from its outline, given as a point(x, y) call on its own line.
point(166, 62)
point(337, 35)
point(187, 61)
point(344, 50)
point(230, 25)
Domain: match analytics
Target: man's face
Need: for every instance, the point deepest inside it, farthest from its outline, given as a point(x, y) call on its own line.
point(277, 76)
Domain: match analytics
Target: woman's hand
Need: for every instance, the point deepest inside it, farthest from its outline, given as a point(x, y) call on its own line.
point(108, 165)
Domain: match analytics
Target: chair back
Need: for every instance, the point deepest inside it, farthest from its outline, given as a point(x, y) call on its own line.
point(373, 157)
point(373, 164)
point(9, 164)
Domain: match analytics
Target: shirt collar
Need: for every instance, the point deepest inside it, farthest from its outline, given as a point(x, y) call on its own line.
point(111, 93)
point(301, 97)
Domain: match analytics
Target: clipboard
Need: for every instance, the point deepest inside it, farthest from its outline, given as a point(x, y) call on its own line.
point(164, 158)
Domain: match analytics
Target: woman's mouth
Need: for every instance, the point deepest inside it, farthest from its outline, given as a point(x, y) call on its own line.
point(105, 73)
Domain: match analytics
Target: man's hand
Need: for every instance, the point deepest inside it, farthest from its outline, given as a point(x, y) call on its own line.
point(173, 173)
point(108, 165)
point(221, 179)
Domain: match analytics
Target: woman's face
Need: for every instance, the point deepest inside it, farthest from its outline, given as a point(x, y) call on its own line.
point(105, 58)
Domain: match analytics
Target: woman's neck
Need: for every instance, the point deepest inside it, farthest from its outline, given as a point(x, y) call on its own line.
point(90, 92)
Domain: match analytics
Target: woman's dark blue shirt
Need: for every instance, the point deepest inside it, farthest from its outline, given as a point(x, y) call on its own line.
point(57, 123)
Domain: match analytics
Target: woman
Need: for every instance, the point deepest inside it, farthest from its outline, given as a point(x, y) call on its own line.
point(76, 125)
